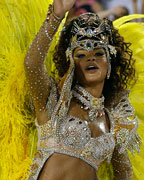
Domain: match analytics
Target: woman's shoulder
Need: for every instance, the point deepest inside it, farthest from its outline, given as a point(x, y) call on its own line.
point(125, 122)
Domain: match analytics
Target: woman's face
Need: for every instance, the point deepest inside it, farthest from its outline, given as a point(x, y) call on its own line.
point(91, 66)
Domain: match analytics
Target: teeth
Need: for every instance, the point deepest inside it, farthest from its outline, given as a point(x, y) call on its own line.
point(91, 67)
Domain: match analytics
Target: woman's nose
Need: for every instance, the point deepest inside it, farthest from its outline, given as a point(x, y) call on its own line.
point(92, 58)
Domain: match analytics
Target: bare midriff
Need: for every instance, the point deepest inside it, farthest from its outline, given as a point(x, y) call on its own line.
point(63, 167)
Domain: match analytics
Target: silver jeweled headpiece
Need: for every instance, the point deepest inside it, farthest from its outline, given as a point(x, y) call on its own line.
point(90, 32)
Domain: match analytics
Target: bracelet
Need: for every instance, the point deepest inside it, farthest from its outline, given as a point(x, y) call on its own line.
point(51, 11)
point(55, 16)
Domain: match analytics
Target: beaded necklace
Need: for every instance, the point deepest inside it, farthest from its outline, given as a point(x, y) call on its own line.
point(89, 102)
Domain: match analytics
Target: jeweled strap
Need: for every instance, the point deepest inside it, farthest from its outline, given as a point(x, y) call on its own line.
point(126, 125)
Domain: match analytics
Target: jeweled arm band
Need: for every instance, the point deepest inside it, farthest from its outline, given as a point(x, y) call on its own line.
point(53, 20)
point(51, 11)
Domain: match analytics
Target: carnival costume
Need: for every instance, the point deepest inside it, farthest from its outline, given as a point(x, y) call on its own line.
point(62, 133)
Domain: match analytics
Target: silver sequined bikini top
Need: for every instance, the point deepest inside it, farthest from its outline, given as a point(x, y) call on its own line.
point(72, 136)
point(76, 134)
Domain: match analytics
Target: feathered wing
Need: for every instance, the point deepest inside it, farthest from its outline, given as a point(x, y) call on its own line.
point(133, 32)
point(19, 22)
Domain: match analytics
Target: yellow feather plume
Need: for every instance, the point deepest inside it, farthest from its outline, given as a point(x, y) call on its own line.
point(20, 21)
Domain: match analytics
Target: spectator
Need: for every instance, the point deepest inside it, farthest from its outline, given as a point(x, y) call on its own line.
point(133, 6)
point(114, 13)
point(83, 6)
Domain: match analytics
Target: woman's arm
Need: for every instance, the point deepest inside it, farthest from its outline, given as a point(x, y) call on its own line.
point(117, 12)
point(97, 7)
point(36, 73)
point(121, 166)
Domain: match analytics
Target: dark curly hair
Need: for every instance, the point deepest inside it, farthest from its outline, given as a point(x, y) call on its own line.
point(122, 66)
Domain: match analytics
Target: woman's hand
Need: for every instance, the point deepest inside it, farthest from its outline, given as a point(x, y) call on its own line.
point(119, 11)
point(62, 6)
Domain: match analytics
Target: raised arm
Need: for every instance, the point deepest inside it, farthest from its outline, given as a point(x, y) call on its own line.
point(36, 73)
point(35, 69)
point(122, 167)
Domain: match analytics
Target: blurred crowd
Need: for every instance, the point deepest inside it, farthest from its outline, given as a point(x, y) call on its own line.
point(112, 9)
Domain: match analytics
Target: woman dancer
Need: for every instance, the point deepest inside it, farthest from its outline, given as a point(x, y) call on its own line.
point(83, 120)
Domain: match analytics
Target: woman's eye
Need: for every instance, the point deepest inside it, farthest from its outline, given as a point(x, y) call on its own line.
point(80, 56)
point(100, 54)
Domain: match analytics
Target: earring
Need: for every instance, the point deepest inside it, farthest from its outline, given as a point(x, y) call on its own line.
point(109, 70)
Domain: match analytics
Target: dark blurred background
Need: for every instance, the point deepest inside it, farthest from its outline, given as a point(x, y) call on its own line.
point(113, 9)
